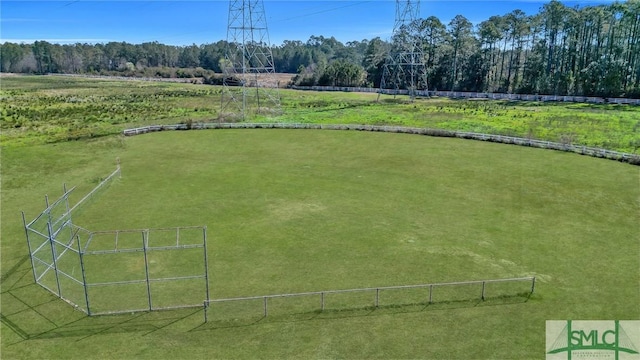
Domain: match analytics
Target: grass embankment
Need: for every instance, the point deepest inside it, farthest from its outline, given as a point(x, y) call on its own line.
point(52, 109)
point(300, 210)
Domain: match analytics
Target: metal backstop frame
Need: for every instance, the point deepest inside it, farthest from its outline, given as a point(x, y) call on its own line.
point(119, 271)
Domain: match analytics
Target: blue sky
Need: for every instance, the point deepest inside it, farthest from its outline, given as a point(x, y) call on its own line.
point(200, 22)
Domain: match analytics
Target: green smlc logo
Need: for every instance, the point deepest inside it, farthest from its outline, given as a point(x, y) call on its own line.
point(586, 339)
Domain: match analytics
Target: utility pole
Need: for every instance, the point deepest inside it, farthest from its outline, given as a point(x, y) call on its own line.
point(405, 67)
point(249, 84)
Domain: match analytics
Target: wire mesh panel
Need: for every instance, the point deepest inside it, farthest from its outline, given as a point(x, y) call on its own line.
point(72, 289)
point(150, 269)
point(294, 307)
point(49, 237)
point(169, 294)
point(168, 238)
point(64, 237)
point(59, 215)
point(113, 298)
point(456, 292)
point(403, 297)
point(40, 251)
point(175, 237)
point(177, 272)
point(171, 264)
point(349, 300)
point(102, 185)
point(176, 267)
point(507, 289)
point(237, 312)
point(114, 267)
point(115, 280)
point(44, 269)
point(102, 242)
point(39, 226)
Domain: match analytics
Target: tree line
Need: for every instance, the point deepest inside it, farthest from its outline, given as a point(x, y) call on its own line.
point(561, 50)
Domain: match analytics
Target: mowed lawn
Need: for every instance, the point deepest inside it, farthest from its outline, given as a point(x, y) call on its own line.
point(307, 210)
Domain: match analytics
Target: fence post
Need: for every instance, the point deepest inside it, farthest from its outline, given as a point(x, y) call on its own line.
point(322, 301)
point(205, 306)
point(377, 297)
point(145, 235)
point(84, 276)
point(64, 188)
point(33, 266)
point(483, 290)
point(206, 262)
point(430, 293)
point(533, 284)
point(265, 307)
point(52, 243)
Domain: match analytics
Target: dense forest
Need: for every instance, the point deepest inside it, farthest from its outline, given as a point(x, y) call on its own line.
point(590, 50)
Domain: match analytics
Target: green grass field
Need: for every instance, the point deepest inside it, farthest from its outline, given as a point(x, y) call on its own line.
point(306, 210)
point(46, 109)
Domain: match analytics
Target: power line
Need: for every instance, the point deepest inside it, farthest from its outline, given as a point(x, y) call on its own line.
point(324, 11)
point(289, 18)
point(70, 3)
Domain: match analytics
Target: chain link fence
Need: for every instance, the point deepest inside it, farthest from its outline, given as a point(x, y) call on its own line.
point(120, 271)
point(478, 95)
point(256, 307)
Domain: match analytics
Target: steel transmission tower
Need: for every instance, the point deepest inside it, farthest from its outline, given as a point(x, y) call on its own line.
point(249, 85)
point(405, 67)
